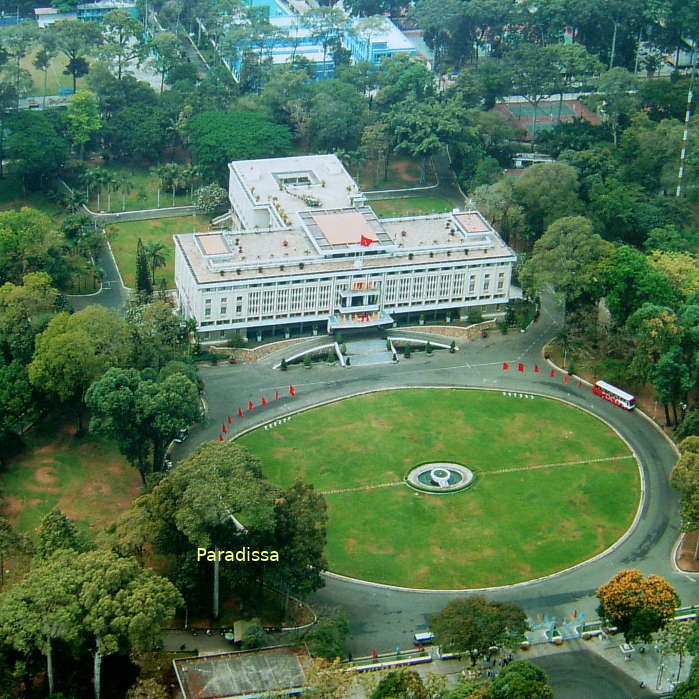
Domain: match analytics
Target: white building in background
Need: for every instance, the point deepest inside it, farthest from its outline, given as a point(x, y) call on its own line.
point(304, 252)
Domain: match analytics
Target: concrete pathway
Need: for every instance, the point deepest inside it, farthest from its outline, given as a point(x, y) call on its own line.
point(383, 618)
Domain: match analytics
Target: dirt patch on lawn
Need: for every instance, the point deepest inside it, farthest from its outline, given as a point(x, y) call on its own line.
point(46, 475)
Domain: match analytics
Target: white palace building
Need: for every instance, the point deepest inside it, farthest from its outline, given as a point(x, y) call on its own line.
point(304, 252)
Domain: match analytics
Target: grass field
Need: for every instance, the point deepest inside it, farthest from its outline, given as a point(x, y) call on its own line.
point(56, 79)
point(86, 477)
point(410, 206)
point(124, 241)
point(12, 196)
point(509, 526)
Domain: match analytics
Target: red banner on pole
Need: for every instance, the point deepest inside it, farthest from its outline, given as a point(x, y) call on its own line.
point(220, 438)
point(552, 372)
point(536, 369)
point(240, 412)
point(520, 367)
point(263, 402)
point(276, 395)
point(251, 405)
point(580, 383)
point(505, 366)
point(565, 378)
point(230, 420)
point(292, 391)
point(224, 429)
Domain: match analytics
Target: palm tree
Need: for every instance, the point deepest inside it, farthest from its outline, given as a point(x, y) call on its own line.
point(158, 172)
point(122, 183)
point(100, 178)
point(88, 180)
point(172, 178)
point(154, 255)
point(111, 181)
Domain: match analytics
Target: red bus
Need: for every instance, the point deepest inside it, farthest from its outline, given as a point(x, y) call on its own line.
point(614, 395)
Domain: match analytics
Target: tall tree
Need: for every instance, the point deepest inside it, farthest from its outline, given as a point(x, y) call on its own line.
point(16, 40)
point(534, 74)
point(672, 380)
point(166, 54)
point(619, 89)
point(637, 605)
point(76, 40)
point(83, 119)
point(122, 41)
point(143, 278)
point(123, 605)
point(41, 609)
point(44, 57)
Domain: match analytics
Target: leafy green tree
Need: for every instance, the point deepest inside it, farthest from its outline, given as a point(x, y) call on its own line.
point(421, 129)
point(29, 243)
point(166, 54)
point(10, 542)
point(674, 639)
point(534, 76)
point(74, 350)
point(41, 609)
point(25, 310)
point(139, 413)
point(301, 520)
point(156, 337)
point(447, 30)
point(637, 605)
point(57, 532)
point(401, 684)
point(17, 404)
point(521, 680)
point(337, 116)
point(202, 502)
point(475, 624)
point(630, 282)
point(618, 87)
point(16, 40)
point(123, 605)
point(401, 77)
point(122, 41)
point(137, 131)
point(76, 40)
point(672, 380)
point(655, 330)
point(685, 477)
point(216, 138)
point(83, 119)
point(689, 427)
point(144, 284)
point(498, 204)
point(670, 239)
point(570, 257)
point(546, 191)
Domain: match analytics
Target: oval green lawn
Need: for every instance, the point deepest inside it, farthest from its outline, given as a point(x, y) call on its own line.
point(534, 508)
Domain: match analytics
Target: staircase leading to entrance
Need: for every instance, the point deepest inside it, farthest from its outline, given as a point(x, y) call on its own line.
point(367, 351)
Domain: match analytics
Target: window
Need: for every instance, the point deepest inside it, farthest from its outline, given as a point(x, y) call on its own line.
point(207, 311)
point(223, 310)
point(486, 282)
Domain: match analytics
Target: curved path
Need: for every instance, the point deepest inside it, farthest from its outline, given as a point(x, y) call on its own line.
point(383, 618)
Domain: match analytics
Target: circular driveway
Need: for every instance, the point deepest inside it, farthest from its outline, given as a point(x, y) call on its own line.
point(383, 618)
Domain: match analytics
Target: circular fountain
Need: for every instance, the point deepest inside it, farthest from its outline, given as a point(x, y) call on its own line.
point(440, 477)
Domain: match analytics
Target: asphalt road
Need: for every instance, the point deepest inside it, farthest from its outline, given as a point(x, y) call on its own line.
point(113, 293)
point(384, 618)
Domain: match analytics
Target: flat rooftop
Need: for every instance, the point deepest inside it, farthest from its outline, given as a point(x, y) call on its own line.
point(414, 241)
point(290, 183)
point(266, 672)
